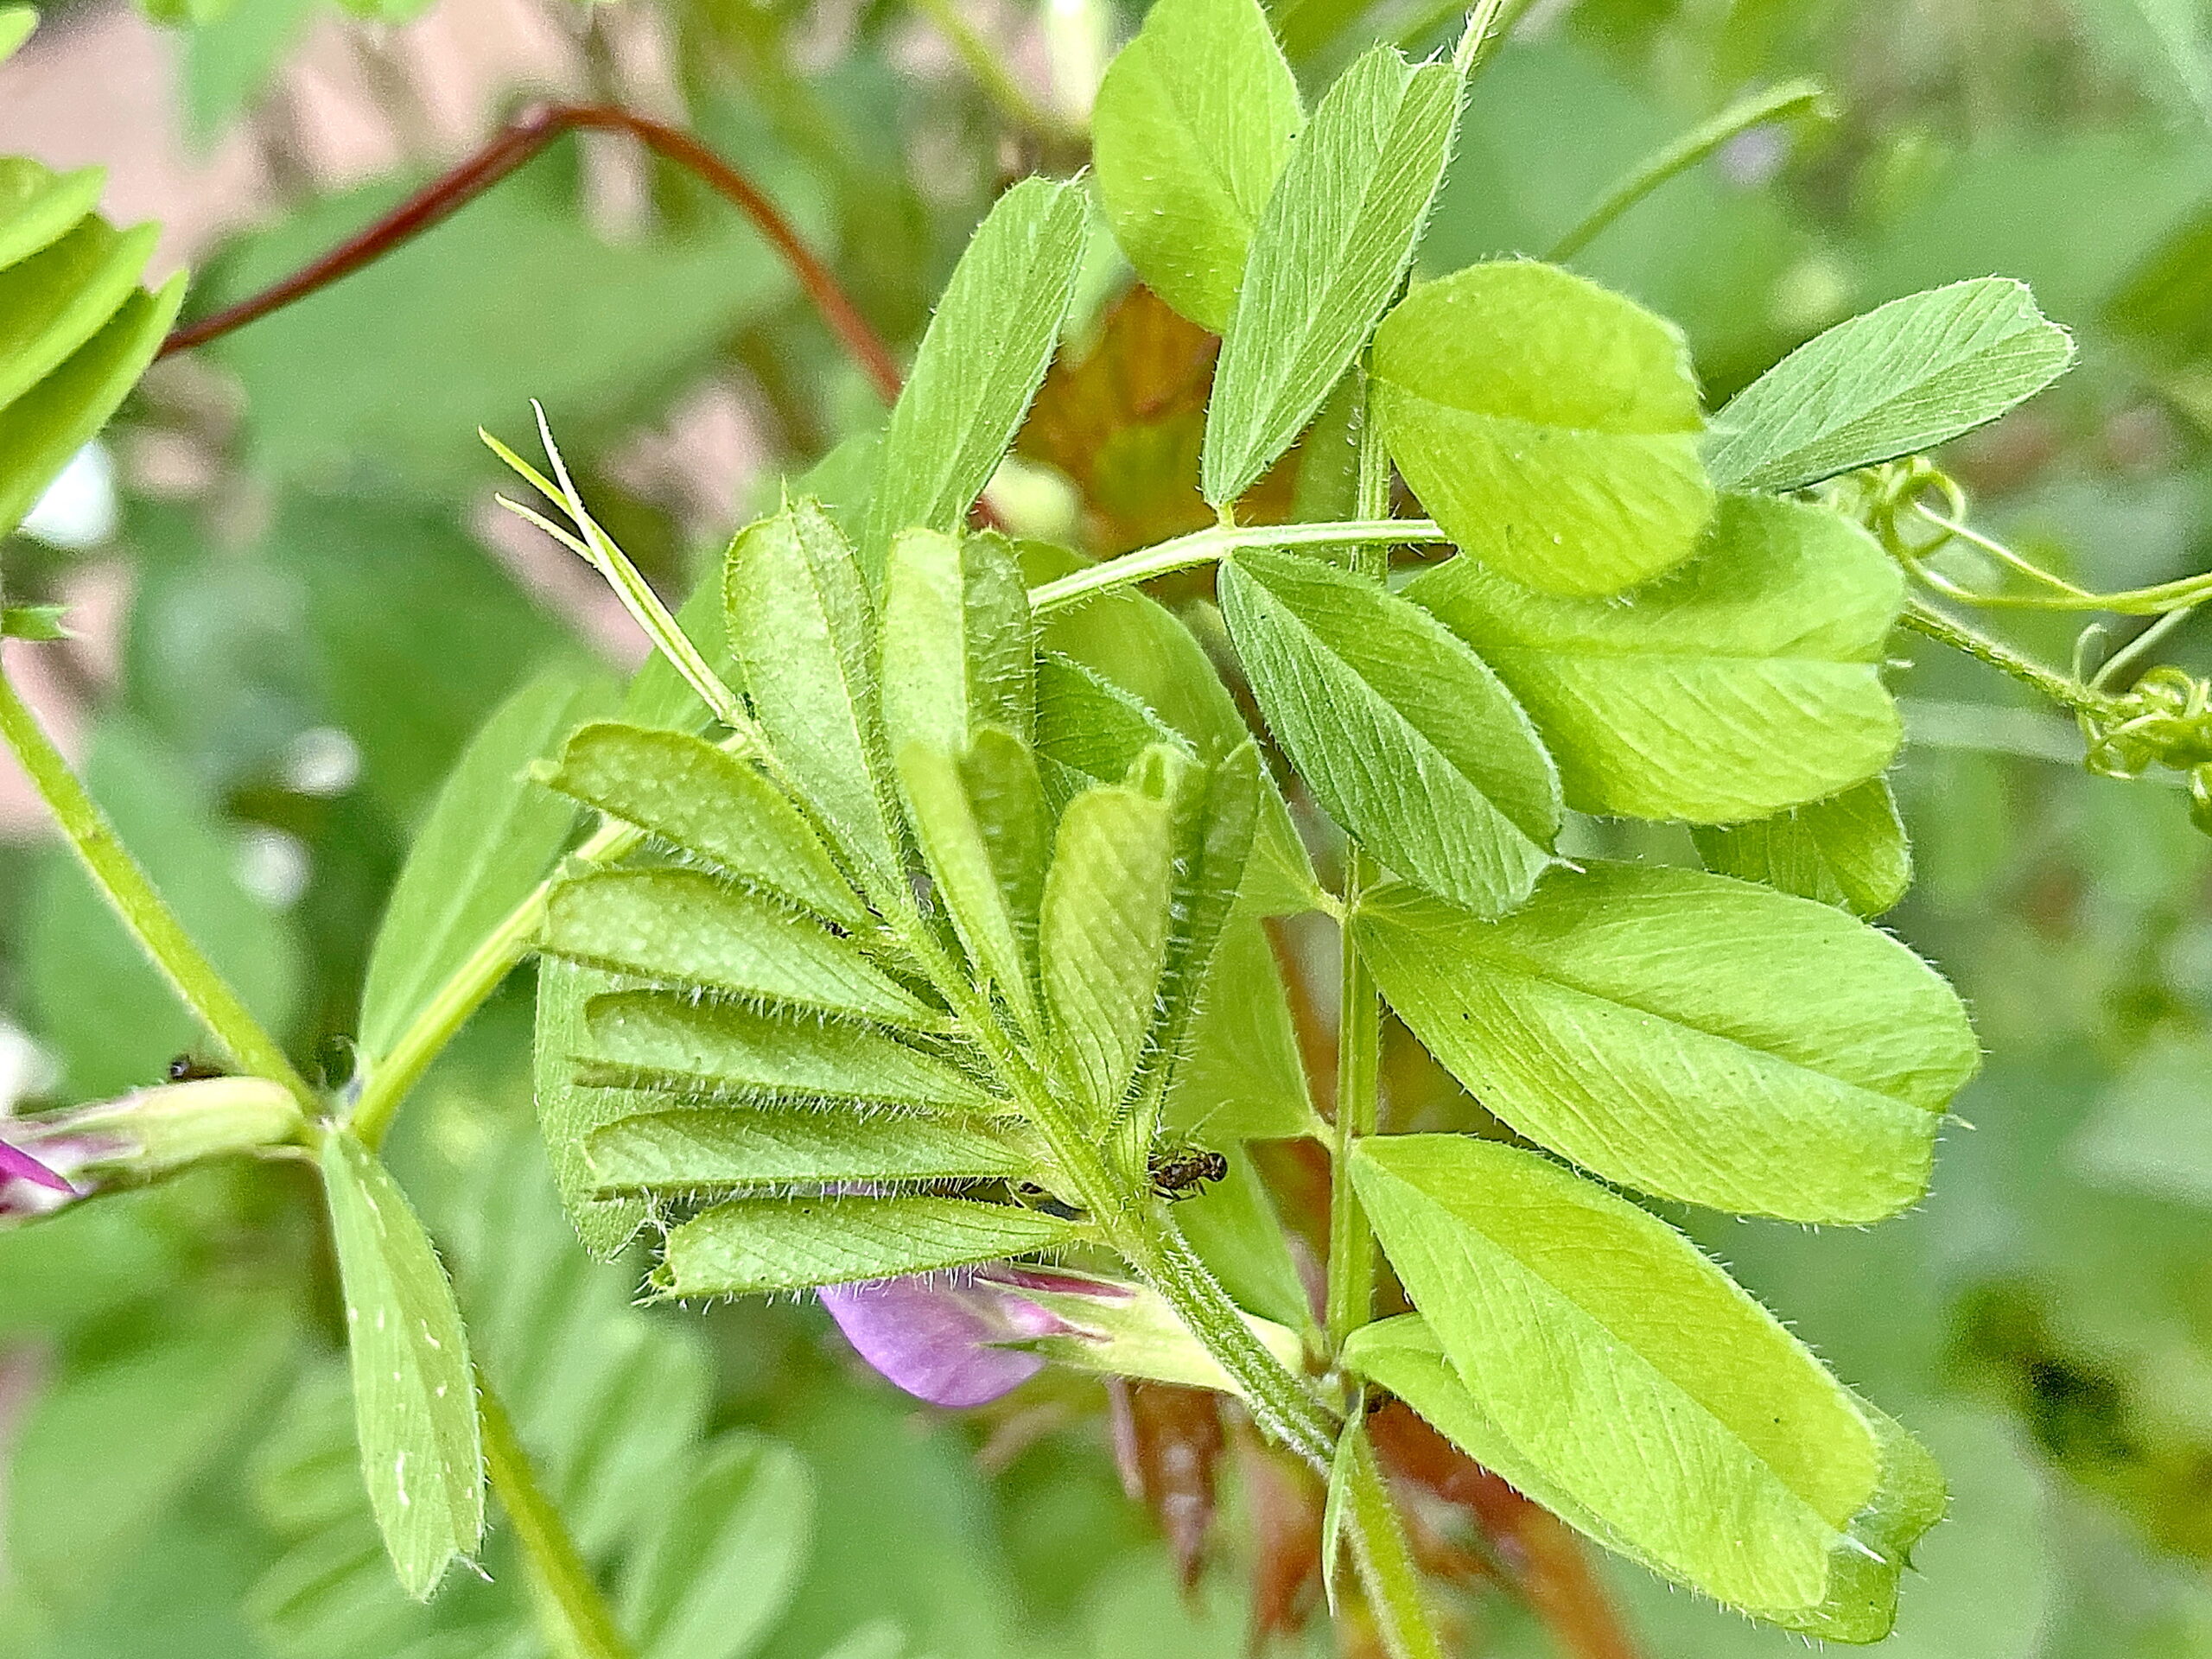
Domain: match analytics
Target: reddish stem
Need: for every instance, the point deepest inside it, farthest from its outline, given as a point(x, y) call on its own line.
point(1544, 1557)
point(519, 140)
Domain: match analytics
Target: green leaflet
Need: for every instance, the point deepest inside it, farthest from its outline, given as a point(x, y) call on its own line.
point(1406, 739)
point(682, 1151)
point(768, 1244)
point(1628, 1372)
point(1333, 243)
point(42, 429)
point(414, 1394)
point(1550, 426)
point(40, 622)
point(1748, 681)
point(1150, 659)
point(1904, 377)
point(980, 363)
point(983, 827)
point(1689, 1035)
point(1404, 1356)
point(958, 649)
point(1104, 934)
point(489, 838)
point(714, 806)
point(1849, 850)
point(668, 1040)
point(37, 205)
point(1240, 1076)
point(802, 628)
point(568, 1112)
point(723, 1553)
point(1233, 1226)
point(1191, 127)
point(658, 695)
point(684, 927)
point(1092, 726)
point(60, 297)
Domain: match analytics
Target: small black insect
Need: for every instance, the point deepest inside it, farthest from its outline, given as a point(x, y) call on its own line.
point(1178, 1170)
point(185, 1069)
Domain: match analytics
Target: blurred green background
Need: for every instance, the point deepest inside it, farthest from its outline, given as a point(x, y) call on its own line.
point(297, 614)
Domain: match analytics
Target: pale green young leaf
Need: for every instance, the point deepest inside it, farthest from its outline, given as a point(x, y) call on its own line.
point(1404, 1356)
point(958, 647)
point(1191, 127)
point(802, 627)
point(983, 827)
point(980, 363)
point(1104, 934)
point(53, 302)
point(1090, 726)
point(671, 1042)
point(684, 927)
point(414, 1394)
point(568, 1112)
point(1217, 816)
point(724, 1554)
point(49, 424)
point(1333, 242)
point(1633, 1375)
point(1406, 738)
point(1149, 656)
point(489, 836)
point(736, 1146)
point(714, 805)
point(1849, 850)
point(38, 205)
point(1747, 681)
point(1902, 378)
point(17, 23)
point(752, 1245)
point(1549, 425)
point(1240, 1076)
point(1692, 1036)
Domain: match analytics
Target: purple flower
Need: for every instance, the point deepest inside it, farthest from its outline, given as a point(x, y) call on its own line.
point(942, 1337)
point(31, 1186)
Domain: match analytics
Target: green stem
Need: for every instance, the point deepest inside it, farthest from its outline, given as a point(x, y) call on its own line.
point(1388, 1571)
point(141, 907)
point(1925, 620)
point(1789, 101)
point(997, 82)
point(1204, 546)
point(571, 1609)
point(1352, 1241)
point(393, 1077)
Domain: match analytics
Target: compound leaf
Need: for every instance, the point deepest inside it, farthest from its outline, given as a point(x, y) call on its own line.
point(1747, 681)
point(1903, 378)
point(1689, 1035)
point(1549, 425)
point(1192, 125)
point(1334, 240)
point(1406, 739)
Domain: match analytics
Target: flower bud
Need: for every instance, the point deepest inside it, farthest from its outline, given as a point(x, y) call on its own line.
point(139, 1135)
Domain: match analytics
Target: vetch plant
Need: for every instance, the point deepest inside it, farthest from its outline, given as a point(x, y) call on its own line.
point(917, 951)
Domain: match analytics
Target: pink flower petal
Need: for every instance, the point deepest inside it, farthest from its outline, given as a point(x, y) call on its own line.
point(932, 1334)
point(15, 1163)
